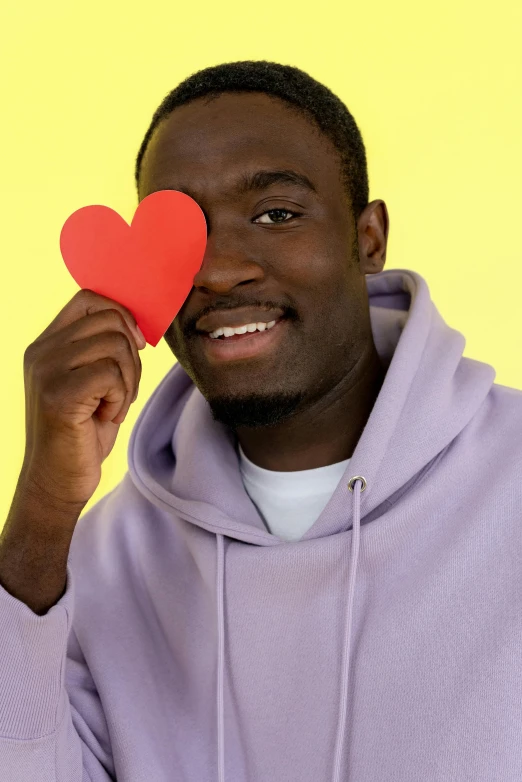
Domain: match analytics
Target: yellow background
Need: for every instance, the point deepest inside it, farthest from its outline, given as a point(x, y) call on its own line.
point(435, 89)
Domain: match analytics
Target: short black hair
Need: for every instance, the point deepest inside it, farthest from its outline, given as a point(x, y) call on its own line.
point(292, 85)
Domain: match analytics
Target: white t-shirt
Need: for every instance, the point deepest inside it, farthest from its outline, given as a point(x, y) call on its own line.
point(289, 502)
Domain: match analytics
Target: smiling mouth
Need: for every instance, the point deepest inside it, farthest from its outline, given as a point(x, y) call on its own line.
point(246, 345)
point(247, 334)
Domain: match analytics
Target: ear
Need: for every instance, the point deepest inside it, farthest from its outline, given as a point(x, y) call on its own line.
point(372, 230)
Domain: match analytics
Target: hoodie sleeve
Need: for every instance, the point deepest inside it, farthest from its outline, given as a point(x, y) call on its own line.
point(52, 727)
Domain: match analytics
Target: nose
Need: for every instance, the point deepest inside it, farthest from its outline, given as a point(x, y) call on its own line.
point(227, 262)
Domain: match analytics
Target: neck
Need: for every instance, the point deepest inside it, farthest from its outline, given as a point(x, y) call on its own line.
point(325, 433)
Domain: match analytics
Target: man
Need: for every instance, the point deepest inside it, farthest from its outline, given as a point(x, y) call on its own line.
point(312, 569)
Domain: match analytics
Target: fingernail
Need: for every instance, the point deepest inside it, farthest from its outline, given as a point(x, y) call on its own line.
point(141, 335)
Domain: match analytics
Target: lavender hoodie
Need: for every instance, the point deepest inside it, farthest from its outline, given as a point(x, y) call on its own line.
point(385, 645)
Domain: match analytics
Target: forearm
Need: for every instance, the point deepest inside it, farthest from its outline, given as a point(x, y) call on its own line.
point(34, 546)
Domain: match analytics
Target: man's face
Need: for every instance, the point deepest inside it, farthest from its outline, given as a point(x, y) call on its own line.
point(282, 246)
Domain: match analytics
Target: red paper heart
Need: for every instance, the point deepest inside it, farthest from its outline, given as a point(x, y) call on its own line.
point(149, 266)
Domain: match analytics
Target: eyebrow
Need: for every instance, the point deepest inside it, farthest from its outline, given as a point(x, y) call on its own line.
point(261, 180)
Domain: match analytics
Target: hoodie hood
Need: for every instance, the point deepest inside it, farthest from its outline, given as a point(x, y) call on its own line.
point(185, 462)
point(430, 393)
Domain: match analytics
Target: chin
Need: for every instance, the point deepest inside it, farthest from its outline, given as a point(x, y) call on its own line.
point(254, 411)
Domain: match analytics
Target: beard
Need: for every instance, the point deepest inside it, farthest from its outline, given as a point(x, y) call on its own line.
point(255, 411)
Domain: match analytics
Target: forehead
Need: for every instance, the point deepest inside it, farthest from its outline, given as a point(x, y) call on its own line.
point(203, 143)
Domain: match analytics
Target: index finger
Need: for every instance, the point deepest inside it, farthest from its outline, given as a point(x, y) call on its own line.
point(87, 302)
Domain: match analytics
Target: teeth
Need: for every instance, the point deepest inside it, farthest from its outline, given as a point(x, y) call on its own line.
point(251, 327)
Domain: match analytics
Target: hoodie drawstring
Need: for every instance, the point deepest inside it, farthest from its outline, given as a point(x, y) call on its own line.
point(221, 658)
point(354, 486)
point(356, 489)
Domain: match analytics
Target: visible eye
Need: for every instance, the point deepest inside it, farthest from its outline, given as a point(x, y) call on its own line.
point(276, 212)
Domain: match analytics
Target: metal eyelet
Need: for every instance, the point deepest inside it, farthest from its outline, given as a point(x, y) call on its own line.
point(351, 482)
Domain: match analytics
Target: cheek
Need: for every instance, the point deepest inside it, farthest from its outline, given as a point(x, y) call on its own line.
point(320, 274)
point(308, 264)
point(175, 341)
